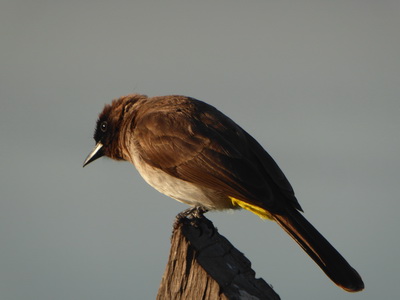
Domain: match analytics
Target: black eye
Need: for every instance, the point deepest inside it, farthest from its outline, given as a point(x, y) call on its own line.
point(103, 126)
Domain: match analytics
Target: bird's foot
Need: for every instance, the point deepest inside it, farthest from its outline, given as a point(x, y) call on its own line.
point(191, 213)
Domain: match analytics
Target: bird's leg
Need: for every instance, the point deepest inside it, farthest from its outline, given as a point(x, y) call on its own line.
point(193, 212)
point(196, 212)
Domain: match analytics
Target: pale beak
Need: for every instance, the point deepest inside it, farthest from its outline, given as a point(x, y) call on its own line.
point(96, 153)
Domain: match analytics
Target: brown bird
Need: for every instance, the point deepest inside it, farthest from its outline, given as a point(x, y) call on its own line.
point(190, 151)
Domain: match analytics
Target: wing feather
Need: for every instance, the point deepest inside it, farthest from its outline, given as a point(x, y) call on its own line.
point(193, 141)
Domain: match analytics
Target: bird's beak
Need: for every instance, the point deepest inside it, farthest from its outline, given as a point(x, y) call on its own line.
point(96, 153)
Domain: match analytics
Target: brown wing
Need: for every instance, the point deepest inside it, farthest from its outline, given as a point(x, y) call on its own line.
point(193, 141)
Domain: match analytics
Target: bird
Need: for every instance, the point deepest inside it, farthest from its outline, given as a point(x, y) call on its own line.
point(193, 153)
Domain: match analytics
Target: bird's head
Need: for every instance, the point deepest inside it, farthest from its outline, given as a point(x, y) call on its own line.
point(110, 127)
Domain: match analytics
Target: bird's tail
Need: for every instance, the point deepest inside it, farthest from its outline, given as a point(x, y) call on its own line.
point(320, 250)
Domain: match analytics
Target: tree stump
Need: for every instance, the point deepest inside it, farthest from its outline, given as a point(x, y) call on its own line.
point(204, 265)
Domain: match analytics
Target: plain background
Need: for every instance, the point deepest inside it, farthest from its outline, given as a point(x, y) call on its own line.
point(316, 82)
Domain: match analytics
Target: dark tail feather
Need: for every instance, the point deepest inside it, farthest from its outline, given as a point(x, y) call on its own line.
point(320, 250)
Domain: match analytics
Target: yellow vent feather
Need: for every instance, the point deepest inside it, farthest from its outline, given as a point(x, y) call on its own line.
point(261, 212)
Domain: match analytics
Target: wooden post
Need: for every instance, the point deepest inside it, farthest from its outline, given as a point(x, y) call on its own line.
point(204, 265)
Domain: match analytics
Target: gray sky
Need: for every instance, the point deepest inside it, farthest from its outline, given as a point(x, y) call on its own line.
point(316, 82)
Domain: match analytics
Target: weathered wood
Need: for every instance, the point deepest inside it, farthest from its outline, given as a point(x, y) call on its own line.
point(204, 265)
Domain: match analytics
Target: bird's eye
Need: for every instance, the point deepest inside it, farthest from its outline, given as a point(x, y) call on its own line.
point(103, 126)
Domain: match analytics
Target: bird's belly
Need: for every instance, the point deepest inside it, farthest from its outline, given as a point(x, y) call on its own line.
point(183, 191)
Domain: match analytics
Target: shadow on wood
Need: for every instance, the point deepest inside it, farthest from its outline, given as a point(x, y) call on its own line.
point(204, 265)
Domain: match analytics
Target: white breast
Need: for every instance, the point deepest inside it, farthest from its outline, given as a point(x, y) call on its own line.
point(181, 190)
